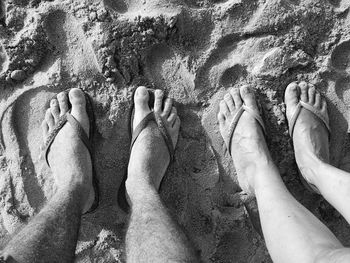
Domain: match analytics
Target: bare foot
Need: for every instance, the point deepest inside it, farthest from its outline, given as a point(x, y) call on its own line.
point(149, 156)
point(310, 137)
point(68, 157)
point(248, 146)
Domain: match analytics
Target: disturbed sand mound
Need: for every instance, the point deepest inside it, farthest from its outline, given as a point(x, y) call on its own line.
point(195, 51)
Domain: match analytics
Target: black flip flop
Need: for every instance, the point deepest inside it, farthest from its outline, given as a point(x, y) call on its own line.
point(152, 116)
point(86, 139)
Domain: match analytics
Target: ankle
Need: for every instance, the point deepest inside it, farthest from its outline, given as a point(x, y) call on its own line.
point(77, 194)
point(310, 165)
point(78, 184)
point(138, 187)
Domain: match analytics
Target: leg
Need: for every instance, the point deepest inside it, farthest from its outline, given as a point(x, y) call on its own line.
point(312, 150)
point(291, 232)
point(52, 234)
point(153, 236)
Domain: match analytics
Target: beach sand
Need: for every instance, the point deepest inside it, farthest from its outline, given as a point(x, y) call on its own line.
point(194, 50)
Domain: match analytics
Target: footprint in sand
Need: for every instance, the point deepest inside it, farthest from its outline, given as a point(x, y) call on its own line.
point(3, 60)
point(30, 182)
point(117, 6)
point(165, 68)
point(340, 64)
point(340, 58)
point(74, 49)
point(2, 13)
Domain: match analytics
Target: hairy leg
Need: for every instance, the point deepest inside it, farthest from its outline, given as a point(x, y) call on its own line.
point(153, 236)
point(291, 232)
point(52, 234)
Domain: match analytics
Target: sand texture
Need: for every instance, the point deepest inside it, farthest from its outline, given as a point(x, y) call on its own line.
point(194, 50)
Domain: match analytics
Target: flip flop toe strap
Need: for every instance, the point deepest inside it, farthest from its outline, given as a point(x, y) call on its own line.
point(236, 119)
point(140, 127)
point(308, 107)
point(292, 122)
point(75, 125)
point(162, 129)
point(166, 135)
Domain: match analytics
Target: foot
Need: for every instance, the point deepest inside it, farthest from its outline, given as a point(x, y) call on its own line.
point(248, 146)
point(68, 157)
point(310, 137)
point(149, 156)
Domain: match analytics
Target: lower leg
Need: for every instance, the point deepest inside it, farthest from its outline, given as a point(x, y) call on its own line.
point(311, 146)
point(52, 234)
point(333, 183)
point(291, 232)
point(153, 236)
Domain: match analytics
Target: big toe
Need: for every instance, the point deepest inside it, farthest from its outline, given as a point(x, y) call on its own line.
point(248, 97)
point(291, 98)
point(141, 98)
point(78, 101)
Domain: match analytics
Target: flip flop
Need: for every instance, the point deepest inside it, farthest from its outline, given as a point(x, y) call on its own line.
point(255, 114)
point(152, 116)
point(303, 105)
point(86, 139)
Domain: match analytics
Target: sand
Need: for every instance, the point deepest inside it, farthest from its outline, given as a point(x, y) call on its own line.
point(194, 50)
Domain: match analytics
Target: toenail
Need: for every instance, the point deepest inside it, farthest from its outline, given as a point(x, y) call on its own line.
point(227, 96)
point(245, 90)
point(294, 86)
point(302, 84)
point(142, 91)
point(76, 93)
point(159, 92)
point(60, 96)
point(53, 102)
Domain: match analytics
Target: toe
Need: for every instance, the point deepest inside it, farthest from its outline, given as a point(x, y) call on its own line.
point(158, 100)
point(291, 96)
point(63, 102)
point(172, 116)
point(236, 97)
point(221, 117)
point(311, 94)
point(324, 105)
point(304, 96)
point(45, 129)
point(55, 109)
point(229, 101)
point(318, 101)
point(77, 99)
point(141, 99)
point(224, 109)
point(177, 123)
point(168, 105)
point(248, 97)
point(49, 119)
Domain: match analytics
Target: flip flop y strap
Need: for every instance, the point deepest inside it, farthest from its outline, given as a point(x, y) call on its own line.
point(152, 116)
point(311, 187)
point(236, 119)
point(75, 125)
point(308, 107)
